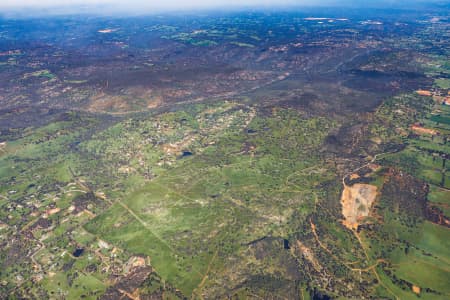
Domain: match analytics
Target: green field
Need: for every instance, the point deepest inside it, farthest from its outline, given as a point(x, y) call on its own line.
point(175, 218)
point(443, 83)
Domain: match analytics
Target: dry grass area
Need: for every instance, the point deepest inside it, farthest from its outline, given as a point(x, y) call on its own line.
point(309, 255)
point(356, 202)
point(134, 98)
point(103, 102)
point(178, 147)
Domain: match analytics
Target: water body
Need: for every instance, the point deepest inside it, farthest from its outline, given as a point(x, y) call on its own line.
point(78, 252)
point(186, 154)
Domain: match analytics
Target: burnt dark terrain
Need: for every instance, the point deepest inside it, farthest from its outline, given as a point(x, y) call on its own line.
point(135, 64)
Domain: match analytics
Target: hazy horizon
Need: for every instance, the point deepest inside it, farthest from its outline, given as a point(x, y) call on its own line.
point(142, 6)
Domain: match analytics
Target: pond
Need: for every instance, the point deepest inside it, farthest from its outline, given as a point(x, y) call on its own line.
point(78, 252)
point(186, 154)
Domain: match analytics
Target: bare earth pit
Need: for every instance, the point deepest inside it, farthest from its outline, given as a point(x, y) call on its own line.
point(356, 202)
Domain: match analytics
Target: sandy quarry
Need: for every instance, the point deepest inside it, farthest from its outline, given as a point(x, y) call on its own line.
point(356, 203)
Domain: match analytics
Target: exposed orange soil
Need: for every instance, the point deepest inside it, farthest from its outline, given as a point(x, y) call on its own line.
point(133, 296)
point(374, 167)
point(447, 101)
point(52, 211)
point(313, 229)
point(356, 201)
point(134, 262)
point(309, 255)
point(416, 289)
point(422, 130)
point(354, 176)
point(424, 93)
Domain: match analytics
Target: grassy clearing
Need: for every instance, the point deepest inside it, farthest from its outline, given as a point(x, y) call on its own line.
point(219, 199)
point(81, 286)
point(426, 263)
point(441, 119)
point(436, 240)
point(424, 274)
point(442, 83)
